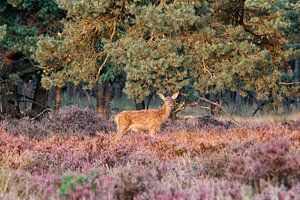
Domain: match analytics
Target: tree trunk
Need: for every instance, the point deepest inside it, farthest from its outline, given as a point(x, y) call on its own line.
point(8, 89)
point(9, 99)
point(40, 98)
point(107, 99)
point(103, 99)
point(100, 99)
point(238, 102)
point(297, 78)
point(250, 99)
point(58, 97)
point(212, 97)
point(117, 91)
point(70, 93)
point(297, 69)
point(25, 92)
point(139, 105)
point(89, 99)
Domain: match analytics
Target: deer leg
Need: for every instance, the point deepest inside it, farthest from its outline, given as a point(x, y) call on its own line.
point(122, 128)
point(153, 131)
point(121, 132)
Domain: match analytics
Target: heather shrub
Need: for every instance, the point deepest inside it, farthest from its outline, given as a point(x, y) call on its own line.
point(217, 189)
point(77, 121)
point(257, 161)
point(57, 156)
point(214, 164)
point(292, 124)
point(275, 162)
point(194, 124)
point(134, 183)
point(144, 158)
point(181, 185)
point(118, 153)
point(279, 193)
point(173, 126)
point(45, 162)
point(25, 126)
point(37, 162)
point(69, 120)
point(210, 121)
point(12, 148)
point(22, 185)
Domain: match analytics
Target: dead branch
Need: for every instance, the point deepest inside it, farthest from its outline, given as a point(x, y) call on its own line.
point(291, 83)
point(101, 67)
point(114, 30)
point(219, 106)
point(205, 67)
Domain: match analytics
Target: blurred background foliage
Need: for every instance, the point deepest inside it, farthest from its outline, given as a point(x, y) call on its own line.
point(218, 50)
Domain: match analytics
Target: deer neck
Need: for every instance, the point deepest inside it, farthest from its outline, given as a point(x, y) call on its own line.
point(165, 112)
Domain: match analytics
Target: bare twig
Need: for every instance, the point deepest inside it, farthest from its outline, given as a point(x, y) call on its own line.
point(30, 99)
point(47, 109)
point(205, 67)
point(211, 102)
point(180, 107)
point(114, 30)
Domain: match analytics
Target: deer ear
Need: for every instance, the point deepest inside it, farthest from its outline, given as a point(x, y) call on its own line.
point(161, 96)
point(175, 96)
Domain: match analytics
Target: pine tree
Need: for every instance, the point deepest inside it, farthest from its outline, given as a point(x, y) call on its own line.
point(22, 21)
point(77, 54)
point(170, 45)
point(235, 45)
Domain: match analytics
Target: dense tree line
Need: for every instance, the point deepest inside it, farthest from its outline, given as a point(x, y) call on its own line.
point(209, 47)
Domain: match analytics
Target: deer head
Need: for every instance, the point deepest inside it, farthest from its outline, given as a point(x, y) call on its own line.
point(168, 101)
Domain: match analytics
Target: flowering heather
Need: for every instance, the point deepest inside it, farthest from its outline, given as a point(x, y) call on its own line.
point(68, 121)
point(248, 161)
point(274, 161)
point(79, 121)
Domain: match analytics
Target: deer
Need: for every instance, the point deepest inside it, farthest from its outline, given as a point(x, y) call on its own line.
point(145, 120)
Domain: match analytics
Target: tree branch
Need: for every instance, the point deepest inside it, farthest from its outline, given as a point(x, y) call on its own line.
point(290, 83)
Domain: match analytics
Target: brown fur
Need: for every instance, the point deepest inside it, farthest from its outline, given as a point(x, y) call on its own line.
point(145, 120)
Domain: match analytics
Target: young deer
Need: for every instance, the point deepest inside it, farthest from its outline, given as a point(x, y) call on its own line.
point(145, 120)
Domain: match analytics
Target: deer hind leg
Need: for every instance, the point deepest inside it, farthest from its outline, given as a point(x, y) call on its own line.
point(121, 128)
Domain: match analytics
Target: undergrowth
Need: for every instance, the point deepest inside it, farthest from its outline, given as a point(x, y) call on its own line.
point(73, 155)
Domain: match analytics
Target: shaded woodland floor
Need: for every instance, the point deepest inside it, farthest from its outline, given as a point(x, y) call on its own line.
point(72, 155)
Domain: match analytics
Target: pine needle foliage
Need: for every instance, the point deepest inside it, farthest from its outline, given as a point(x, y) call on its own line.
point(2, 32)
point(24, 20)
point(167, 45)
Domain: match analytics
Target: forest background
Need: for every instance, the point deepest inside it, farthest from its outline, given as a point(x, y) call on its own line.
point(218, 54)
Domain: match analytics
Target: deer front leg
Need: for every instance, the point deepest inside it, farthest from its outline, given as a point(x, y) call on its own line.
point(153, 131)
